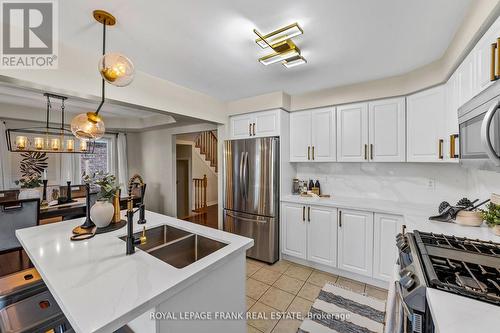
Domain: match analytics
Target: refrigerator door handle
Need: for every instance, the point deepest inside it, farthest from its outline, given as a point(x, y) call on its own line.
point(241, 176)
point(245, 173)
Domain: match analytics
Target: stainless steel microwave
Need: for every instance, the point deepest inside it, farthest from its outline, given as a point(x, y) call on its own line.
point(479, 130)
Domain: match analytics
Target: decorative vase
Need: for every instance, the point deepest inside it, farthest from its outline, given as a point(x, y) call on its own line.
point(28, 193)
point(496, 230)
point(101, 213)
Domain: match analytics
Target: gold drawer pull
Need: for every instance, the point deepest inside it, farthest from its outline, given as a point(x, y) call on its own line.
point(313, 153)
point(366, 151)
point(497, 63)
point(453, 153)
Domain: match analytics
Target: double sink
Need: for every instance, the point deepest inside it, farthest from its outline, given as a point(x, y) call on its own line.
point(177, 247)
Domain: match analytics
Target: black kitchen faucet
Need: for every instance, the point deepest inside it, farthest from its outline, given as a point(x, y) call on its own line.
point(131, 240)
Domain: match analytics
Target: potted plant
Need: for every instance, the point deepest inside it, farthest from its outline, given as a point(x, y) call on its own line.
point(492, 217)
point(102, 211)
point(29, 185)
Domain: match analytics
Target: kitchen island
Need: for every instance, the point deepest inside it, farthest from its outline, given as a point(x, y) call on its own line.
point(100, 289)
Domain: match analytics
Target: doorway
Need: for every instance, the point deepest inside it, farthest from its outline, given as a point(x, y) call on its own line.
point(182, 189)
point(197, 178)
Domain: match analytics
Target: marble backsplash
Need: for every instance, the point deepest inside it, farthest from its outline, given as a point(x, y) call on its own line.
point(423, 183)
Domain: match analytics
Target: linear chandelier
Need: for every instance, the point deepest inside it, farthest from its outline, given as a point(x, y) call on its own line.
point(115, 69)
point(48, 139)
point(284, 49)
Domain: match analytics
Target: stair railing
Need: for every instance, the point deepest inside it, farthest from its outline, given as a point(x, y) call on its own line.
point(207, 143)
point(200, 194)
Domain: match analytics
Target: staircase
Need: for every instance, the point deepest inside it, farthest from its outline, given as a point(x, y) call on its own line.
point(206, 142)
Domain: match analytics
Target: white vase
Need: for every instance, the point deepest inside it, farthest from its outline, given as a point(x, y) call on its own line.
point(101, 213)
point(28, 193)
point(496, 230)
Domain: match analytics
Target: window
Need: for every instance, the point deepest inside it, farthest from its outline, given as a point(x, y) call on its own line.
point(101, 160)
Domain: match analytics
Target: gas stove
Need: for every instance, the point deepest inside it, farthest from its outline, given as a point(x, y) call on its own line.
point(462, 266)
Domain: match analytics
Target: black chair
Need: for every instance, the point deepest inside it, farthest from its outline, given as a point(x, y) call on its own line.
point(9, 195)
point(16, 215)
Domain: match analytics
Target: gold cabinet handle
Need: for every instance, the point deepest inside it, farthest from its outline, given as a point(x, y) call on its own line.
point(371, 151)
point(308, 214)
point(303, 213)
point(308, 153)
point(313, 153)
point(253, 129)
point(493, 70)
point(453, 153)
point(366, 151)
point(250, 129)
point(440, 148)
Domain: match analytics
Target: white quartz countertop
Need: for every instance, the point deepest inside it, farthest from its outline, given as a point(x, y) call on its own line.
point(452, 313)
point(373, 205)
point(416, 216)
point(98, 287)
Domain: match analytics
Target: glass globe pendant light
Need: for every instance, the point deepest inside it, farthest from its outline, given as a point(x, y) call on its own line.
point(116, 69)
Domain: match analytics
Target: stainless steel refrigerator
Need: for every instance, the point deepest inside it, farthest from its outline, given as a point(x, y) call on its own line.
point(251, 201)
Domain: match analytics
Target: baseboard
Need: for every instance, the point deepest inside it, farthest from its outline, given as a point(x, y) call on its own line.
point(339, 272)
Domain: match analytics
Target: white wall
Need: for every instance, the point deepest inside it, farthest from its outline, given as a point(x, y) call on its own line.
point(421, 183)
point(152, 154)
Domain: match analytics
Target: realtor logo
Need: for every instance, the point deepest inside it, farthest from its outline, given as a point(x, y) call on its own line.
point(29, 34)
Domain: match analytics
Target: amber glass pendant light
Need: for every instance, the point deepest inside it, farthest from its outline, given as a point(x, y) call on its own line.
point(116, 69)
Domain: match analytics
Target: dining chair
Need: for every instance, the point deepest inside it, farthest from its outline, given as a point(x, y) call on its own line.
point(9, 195)
point(16, 215)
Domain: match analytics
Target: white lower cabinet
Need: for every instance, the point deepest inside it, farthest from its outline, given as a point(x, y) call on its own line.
point(355, 244)
point(386, 227)
point(357, 241)
point(309, 232)
point(293, 230)
point(322, 235)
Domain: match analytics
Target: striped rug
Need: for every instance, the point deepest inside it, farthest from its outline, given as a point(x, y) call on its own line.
point(343, 311)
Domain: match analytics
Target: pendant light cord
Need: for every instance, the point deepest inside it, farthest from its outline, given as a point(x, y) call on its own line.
point(103, 84)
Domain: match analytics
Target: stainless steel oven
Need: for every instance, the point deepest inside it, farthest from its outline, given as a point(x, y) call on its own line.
point(479, 124)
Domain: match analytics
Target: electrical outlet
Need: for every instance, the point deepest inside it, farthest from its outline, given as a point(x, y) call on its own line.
point(431, 184)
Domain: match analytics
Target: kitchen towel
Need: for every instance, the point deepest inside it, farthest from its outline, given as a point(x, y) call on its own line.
point(337, 309)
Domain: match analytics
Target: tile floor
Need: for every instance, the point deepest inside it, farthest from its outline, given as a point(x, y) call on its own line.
point(286, 286)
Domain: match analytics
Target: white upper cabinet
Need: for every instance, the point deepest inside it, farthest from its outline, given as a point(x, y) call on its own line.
point(355, 245)
point(256, 124)
point(323, 135)
point(312, 135)
point(484, 59)
point(466, 76)
point(425, 122)
point(450, 134)
point(322, 235)
point(300, 136)
point(352, 133)
point(241, 126)
point(386, 227)
point(387, 130)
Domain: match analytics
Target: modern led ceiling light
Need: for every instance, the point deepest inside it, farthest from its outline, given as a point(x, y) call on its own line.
point(295, 61)
point(116, 69)
point(279, 35)
point(285, 50)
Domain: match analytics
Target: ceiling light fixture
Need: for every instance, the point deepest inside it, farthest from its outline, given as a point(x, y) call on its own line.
point(295, 61)
point(116, 69)
point(47, 139)
point(280, 35)
point(285, 50)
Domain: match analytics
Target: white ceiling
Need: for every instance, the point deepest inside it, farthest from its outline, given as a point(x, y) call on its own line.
point(29, 104)
point(209, 46)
